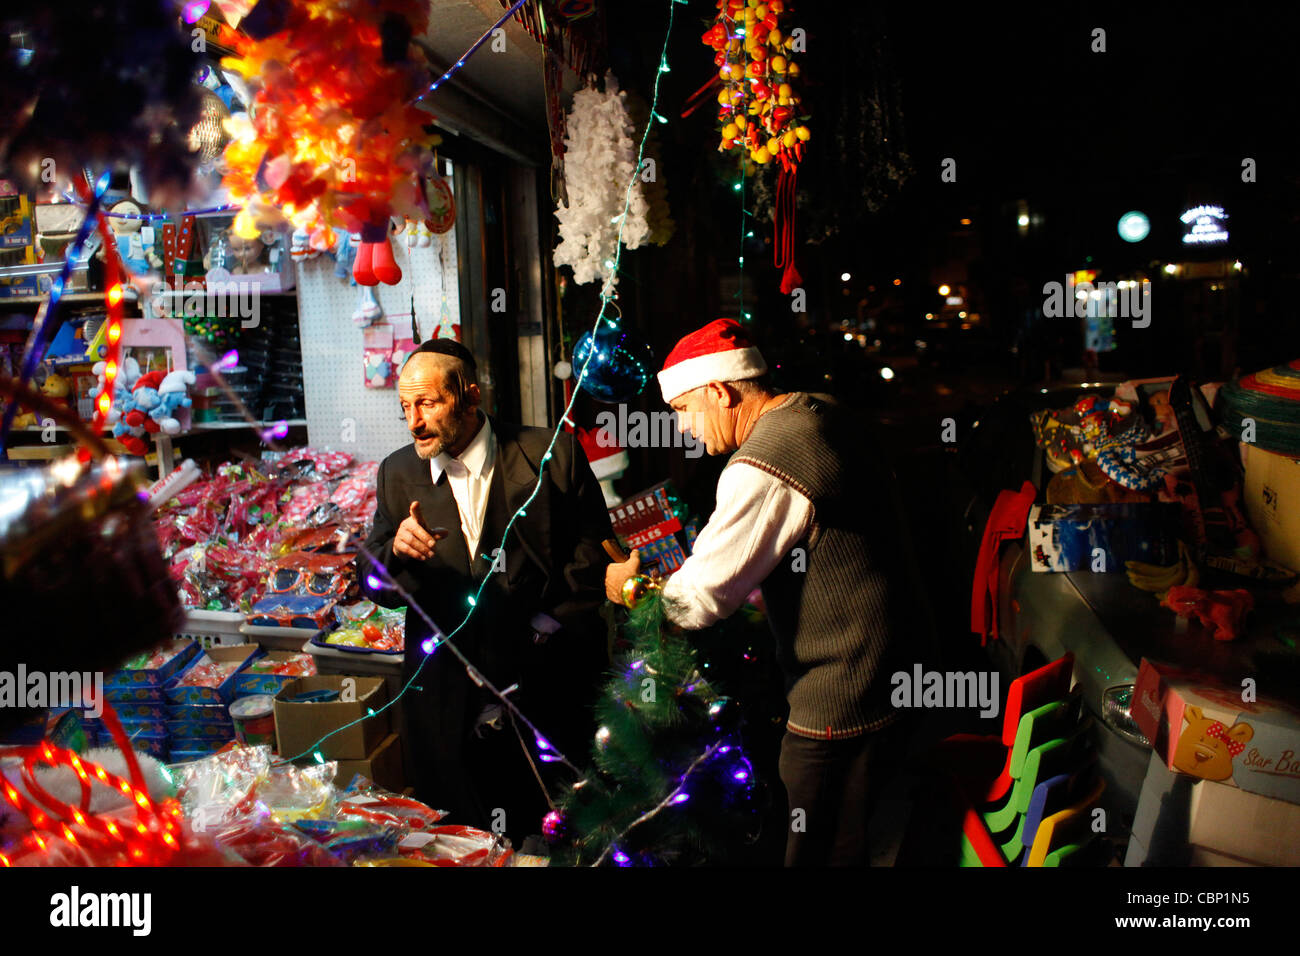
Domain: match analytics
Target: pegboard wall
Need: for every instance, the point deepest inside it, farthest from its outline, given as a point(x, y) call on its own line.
point(342, 413)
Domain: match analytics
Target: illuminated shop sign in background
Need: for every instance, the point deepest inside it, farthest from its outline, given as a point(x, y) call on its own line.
point(1206, 224)
point(1134, 226)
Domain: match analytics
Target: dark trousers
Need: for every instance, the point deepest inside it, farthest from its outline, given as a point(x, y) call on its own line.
point(485, 781)
point(831, 786)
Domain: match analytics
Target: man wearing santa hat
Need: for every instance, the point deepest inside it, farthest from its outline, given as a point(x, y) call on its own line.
point(805, 509)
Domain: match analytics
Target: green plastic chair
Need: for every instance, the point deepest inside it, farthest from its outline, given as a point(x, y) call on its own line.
point(1005, 824)
point(1057, 719)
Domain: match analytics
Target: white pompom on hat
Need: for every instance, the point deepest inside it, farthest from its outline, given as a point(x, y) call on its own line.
point(719, 352)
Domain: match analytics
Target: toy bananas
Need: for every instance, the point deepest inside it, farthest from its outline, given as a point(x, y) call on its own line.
point(1158, 578)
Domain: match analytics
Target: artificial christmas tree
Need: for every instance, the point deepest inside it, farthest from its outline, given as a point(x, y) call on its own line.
point(671, 783)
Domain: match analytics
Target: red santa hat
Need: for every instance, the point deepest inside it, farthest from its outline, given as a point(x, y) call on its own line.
point(719, 352)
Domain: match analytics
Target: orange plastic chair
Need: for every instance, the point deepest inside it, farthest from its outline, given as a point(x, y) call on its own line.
point(1070, 827)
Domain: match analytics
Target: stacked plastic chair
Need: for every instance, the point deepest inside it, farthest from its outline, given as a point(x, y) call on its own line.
point(1027, 797)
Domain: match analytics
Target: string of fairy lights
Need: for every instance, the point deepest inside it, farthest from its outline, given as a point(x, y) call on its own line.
point(546, 751)
point(154, 835)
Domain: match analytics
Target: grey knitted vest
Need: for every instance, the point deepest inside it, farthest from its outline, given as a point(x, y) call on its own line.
point(834, 603)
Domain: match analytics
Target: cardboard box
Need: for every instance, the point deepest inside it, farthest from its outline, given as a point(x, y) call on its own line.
point(241, 654)
point(249, 685)
point(1272, 498)
point(1066, 537)
point(1181, 821)
point(383, 766)
point(1246, 826)
point(1203, 728)
point(135, 696)
point(185, 651)
point(136, 712)
point(143, 728)
point(298, 727)
point(182, 730)
point(207, 713)
point(194, 750)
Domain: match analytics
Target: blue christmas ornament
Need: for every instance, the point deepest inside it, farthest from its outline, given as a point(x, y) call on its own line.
point(620, 363)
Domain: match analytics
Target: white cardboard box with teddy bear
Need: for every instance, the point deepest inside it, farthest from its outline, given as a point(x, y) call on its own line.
point(1205, 728)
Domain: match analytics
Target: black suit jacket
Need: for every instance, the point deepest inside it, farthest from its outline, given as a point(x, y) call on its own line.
point(552, 563)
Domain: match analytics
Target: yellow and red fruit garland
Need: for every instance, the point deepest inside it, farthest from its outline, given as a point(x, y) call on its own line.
point(753, 56)
point(759, 106)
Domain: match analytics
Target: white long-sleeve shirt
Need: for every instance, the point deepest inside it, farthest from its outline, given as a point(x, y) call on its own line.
point(758, 520)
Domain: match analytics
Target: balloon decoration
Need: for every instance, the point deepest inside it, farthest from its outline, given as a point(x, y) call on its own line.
point(759, 106)
point(334, 138)
point(620, 363)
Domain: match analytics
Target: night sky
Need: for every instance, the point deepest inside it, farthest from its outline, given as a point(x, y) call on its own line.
point(1159, 122)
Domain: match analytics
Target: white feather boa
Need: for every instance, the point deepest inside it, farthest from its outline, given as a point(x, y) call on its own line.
point(599, 162)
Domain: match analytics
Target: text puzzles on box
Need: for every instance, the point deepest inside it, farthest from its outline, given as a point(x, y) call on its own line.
point(646, 522)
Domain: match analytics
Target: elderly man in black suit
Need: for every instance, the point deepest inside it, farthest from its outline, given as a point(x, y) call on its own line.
point(444, 503)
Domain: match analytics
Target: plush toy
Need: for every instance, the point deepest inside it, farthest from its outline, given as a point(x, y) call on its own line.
point(134, 395)
point(56, 388)
point(126, 379)
point(416, 234)
point(171, 396)
point(135, 414)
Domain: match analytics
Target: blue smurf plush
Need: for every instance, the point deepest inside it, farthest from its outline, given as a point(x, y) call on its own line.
point(172, 395)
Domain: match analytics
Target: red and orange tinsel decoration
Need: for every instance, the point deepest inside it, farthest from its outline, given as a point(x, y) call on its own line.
point(334, 139)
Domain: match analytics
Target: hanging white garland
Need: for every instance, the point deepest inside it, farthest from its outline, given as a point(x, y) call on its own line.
point(599, 162)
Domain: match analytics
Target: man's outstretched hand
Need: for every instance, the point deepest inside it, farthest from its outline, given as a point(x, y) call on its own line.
point(618, 573)
point(413, 539)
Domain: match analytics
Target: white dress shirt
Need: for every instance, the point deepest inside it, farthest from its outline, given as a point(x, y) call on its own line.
point(470, 478)
point(757, 522)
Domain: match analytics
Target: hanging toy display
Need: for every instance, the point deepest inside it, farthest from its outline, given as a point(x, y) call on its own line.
point(441, 202)
point(333, 137)
point(416, 235)
point(368, 310)
point(448, 328)
point(759, 108)
point(374, 262)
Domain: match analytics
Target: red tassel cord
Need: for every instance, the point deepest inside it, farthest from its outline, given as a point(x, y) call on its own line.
point(783, 254)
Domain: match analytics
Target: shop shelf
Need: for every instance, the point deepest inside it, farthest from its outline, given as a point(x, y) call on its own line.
point(213, 628)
